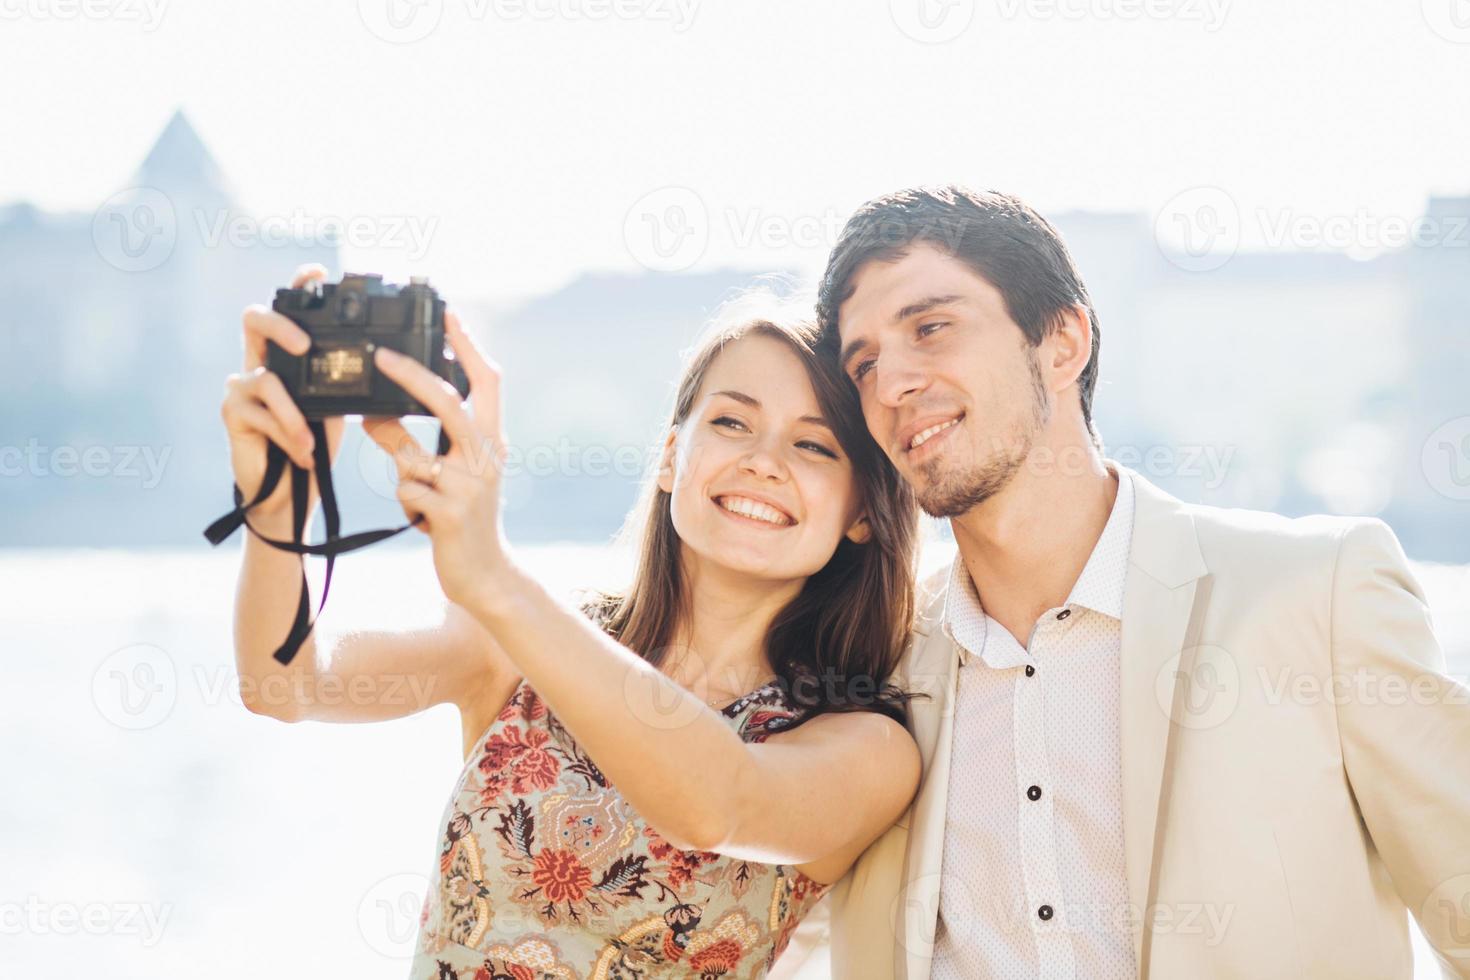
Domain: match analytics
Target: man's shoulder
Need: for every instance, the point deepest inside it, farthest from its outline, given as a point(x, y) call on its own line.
point(1238, 534)
point(1260, 542)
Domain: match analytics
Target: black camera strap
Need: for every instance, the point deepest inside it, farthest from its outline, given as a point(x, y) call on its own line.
point(334, 545)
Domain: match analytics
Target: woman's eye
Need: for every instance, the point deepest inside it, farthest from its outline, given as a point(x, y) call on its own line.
point(817, 447)
point(862, 369)
point(728, 422)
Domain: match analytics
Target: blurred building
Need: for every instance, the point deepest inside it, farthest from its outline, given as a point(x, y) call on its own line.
point(1297, 381)
point(117, 329)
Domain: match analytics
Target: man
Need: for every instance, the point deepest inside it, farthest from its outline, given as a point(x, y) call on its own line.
point(1161, 739)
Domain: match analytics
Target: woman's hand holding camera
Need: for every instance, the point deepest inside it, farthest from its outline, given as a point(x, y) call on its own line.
point(257, 408)
point(458, 494)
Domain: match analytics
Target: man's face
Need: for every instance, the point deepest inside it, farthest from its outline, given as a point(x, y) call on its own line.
point(950, 387)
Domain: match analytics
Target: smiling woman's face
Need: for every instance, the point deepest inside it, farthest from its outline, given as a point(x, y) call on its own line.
point(758, 482)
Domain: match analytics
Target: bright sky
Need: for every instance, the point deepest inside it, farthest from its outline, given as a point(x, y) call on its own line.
point(524, 136)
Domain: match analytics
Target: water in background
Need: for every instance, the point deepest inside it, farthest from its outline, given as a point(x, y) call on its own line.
point(153, 829)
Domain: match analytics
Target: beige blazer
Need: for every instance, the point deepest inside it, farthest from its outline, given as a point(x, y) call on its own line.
point(1296, 764)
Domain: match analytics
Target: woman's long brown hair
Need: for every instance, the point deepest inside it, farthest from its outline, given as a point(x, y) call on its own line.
point(835, 646)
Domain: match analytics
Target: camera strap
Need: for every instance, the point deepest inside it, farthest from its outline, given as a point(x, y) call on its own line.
point(334, 545)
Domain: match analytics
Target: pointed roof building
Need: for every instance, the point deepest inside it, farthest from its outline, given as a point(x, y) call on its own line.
point(180, 165)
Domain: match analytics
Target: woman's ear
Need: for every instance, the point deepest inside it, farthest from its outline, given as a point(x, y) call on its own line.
point(860, 532)
point(666, 461)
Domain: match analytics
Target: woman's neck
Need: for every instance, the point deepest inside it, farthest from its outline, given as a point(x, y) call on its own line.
point(720, 643)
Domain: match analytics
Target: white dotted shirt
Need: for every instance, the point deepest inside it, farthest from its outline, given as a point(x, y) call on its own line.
point(1034, 883)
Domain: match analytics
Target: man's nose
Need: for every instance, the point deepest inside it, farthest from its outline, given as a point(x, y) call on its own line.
point(899, 378)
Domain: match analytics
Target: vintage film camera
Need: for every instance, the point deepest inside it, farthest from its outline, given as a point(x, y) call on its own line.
point(347, 321)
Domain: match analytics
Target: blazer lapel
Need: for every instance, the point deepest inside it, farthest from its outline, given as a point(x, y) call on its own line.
point(1164, 567)
point(934, 672)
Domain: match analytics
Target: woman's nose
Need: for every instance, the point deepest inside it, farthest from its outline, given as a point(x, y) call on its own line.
point(763, 464)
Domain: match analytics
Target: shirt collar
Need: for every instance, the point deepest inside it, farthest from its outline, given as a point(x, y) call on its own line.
point(1099, 587)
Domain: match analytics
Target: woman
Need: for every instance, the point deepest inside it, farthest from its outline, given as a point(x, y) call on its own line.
point(663, 783)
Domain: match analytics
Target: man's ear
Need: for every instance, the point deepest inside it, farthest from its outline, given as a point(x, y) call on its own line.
point(860, 532)
point(666, 461)
point(1070, 342)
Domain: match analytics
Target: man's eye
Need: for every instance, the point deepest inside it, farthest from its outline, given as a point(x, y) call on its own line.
point(925, 329)
point(862, 369)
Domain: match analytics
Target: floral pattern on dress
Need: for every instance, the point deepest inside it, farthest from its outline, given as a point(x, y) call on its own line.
point(545, 871)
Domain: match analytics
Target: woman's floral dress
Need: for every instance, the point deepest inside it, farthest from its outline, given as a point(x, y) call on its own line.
point(546, 872)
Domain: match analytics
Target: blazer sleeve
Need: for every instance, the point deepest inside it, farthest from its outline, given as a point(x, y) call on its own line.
point(1405, 730)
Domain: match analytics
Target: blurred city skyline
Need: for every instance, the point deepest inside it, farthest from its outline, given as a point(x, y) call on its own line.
point(1301, 380)
point(528, 136)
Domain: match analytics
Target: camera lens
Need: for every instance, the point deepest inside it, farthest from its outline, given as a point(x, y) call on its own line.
point(350, 306)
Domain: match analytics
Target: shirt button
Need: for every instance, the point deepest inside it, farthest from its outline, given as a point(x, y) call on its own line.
point(1033, 793)
point(1064, 614)
point(1030, 670)
point(1044, 913)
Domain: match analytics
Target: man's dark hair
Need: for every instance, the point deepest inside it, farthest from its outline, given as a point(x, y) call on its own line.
point(997, 235)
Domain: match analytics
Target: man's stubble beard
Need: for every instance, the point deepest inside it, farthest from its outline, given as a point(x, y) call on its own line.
point(950, 494)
